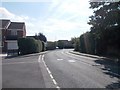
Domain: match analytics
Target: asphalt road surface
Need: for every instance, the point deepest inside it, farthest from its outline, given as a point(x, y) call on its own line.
point(56, 69)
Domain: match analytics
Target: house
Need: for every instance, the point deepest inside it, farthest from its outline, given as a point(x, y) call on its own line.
point(10, 35)
point(15, 30)
point(3, 28)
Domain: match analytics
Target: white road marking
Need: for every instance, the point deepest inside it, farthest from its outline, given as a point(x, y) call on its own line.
point(58, 87)
point(39, 58)
point(42, 57)
point(49, 72)
point(71, 61)
point(54, 81)
point(90, 64)
point(47, 69)
point(51, 76)
point(68, 54)
point(59, 59)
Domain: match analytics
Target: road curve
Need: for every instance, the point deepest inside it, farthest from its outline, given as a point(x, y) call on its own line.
point(71, 71)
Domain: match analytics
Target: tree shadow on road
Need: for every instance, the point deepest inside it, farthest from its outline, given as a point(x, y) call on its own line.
point(114, 85)
point(110, 67)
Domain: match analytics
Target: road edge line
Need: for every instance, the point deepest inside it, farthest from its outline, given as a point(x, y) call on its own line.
point(48, 71)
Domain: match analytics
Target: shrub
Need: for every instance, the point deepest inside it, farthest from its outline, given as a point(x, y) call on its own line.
point(51, 46)
point(29, 45)
point(77, 45)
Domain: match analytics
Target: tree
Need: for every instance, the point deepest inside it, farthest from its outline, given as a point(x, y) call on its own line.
point(87, 43)
point(41, 37)
point(105, 26)
point(60, 44)
point(82, 44)
point(77, 45)
point(74, 40)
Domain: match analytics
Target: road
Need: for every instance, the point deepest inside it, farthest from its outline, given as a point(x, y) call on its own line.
point(56, 69)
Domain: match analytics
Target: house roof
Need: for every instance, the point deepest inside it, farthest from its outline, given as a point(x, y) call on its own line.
point(16, 25)
point(4, 23)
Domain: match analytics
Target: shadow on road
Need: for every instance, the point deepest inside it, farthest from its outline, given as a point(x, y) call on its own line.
point(110, 67)
point(114, 85)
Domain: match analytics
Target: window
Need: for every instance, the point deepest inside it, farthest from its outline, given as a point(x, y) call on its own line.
point(13, 32)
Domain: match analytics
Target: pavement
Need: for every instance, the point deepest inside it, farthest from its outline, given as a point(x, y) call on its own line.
point(24, 72)
point(89, 55)
point(56, 69)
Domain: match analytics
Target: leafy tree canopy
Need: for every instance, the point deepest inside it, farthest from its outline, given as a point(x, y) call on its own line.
point(41, 36)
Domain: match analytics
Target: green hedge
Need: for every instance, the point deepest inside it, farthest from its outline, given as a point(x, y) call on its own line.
point(29, 45)
point(87, 43)
point(51, 45)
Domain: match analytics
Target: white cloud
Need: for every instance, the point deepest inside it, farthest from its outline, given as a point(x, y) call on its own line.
point(5, 13)
point(8, 15)
point(71, 7)
point(30, 27)
point(26, 1)
point(65, 19)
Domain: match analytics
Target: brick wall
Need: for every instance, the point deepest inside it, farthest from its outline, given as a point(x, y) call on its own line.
point(20, 33)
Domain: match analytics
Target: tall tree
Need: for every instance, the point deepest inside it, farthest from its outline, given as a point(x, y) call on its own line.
point(105, 25)
point(41, 37)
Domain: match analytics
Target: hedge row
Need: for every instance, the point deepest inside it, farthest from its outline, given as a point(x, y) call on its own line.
point(29, 46)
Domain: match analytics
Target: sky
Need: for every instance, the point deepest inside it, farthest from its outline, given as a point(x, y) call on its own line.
point(56, 19)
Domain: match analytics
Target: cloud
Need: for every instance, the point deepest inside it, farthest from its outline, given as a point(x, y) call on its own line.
point(30, 27)
point(61, 25)
point(65, 19)
point(6, 13)
point(69, 15)
point(71, 7)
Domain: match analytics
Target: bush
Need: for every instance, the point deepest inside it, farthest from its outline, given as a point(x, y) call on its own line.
point(43, 46)
point(77, 45)
point(51, 45)
point(60, 44)
point(87, 43)
point(29, 45)
point(40, 45)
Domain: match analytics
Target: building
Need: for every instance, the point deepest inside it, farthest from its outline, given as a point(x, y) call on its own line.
point(11, 31)
point(3, 28)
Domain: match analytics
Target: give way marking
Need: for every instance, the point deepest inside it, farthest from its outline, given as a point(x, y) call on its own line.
point(59, 59)
point(71, 61)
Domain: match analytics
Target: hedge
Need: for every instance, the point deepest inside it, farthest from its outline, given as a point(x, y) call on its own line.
point(29, 45)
